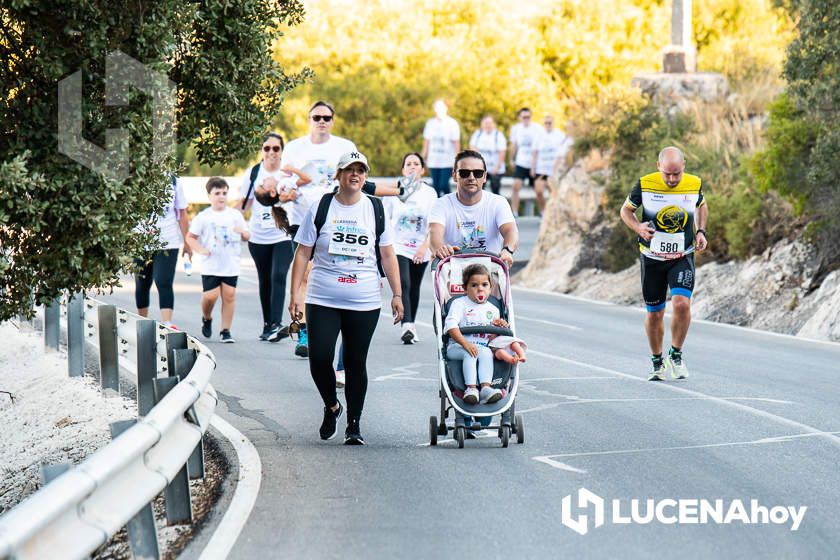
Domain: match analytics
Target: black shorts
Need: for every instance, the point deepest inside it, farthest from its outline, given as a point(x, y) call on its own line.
point(523, 173)
point(212, 282)
point(658, 276)
point(541, 178)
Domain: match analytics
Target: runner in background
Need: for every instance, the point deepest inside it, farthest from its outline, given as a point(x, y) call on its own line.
point(523, 136)
point(550, 151)
point(492, 145)
point(171, 226)
point(441, 141)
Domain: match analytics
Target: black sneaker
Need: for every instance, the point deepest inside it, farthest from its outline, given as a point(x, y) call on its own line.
point(224, 336)
point(207, 327)
point(352, 435)
point(328, 426)
point(278, 333)
point(268, 328)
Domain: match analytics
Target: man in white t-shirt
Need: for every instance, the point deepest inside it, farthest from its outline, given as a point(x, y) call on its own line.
point(441, 141)
point(549, 152)
point(471, 218)
point(523, 136)
point(492, 145)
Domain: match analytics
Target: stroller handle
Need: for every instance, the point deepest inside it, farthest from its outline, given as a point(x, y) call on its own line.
point(468, 252)
point(486, 329)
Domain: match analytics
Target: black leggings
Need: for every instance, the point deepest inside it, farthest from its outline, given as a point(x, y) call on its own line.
point(322, 327)
point(161, 270)
point(272, 262)
point(411, 276)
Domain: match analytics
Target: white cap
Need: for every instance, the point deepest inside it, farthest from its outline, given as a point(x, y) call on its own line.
point(352, 157)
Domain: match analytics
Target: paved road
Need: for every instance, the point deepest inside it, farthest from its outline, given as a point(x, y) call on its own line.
point(757, 420)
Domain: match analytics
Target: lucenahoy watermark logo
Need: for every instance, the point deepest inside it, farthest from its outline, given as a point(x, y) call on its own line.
point(668, 511)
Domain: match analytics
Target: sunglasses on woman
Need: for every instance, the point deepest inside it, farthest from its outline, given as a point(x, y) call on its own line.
point(477, 173)
point(274, 149)
point(319, 118)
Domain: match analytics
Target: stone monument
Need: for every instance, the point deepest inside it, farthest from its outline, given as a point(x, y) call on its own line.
point(679, 82)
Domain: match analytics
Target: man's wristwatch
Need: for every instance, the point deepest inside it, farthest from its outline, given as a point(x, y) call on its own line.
point(701, 230)
point(508, 249)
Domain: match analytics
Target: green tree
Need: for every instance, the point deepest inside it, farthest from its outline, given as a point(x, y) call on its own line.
point(64, 226)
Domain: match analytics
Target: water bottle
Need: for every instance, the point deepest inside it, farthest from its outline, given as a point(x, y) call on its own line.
point(187, 267)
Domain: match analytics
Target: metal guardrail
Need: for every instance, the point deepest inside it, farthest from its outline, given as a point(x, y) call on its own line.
point(78, 511)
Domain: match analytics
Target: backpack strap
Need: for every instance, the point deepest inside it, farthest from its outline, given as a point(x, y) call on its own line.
point(254, 172)
point(321, 214)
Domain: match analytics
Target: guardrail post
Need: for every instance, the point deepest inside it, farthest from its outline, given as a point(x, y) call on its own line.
point(146, 365)
point(109, 367)
point(76, 335)
point(51, 472)
point(181, 365)
point(177, 493)
point(142, 532)
point(174, 341)
point(52, 324)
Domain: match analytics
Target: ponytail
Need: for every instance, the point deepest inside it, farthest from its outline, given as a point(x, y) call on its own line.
point(281, 218)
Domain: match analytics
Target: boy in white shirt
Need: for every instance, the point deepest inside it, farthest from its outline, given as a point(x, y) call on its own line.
point(216, 234)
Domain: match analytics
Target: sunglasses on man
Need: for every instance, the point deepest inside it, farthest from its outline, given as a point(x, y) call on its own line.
point(274, 149)
point(319, 118)
point(477, 173)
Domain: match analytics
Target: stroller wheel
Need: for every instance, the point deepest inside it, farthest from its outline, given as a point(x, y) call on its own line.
point(520, 428)
point(459, 436)
point(433, 427)
point(504, 433)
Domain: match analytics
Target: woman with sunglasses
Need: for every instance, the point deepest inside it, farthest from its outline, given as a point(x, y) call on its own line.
point(408, 215)
point(270, 246)
point(344, 293)
point(471, 218)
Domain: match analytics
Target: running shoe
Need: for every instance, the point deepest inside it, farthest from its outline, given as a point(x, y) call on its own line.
point(676, 366)
point(207, 327)
point(278, 333)
point(225, 337)
point(302, 348)
point(407, 336)
point(352, 435)
point(266, 332)
point(328, 426)
point(339, 378)
point(659, 372)
point(471, 395)
point(414, 332)
point(489, 395)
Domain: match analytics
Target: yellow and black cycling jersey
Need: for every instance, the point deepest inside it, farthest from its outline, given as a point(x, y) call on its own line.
point(671, 212)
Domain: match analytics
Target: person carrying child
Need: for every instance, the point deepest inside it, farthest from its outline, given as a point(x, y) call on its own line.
point(474, 349)
point(216, 234)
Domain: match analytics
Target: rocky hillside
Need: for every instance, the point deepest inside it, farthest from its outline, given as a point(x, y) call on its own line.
point(780, 290)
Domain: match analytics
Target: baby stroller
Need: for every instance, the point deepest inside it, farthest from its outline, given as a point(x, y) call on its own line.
point(447, 283)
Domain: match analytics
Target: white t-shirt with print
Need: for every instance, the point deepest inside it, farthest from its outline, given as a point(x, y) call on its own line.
point(490, 145)
point(441, 133)
point(167, 221)
point(319, 162)
point(464, 312)
point(409, 220)
point(215, 233)
point(550, 146)
point(472, 227)
point(344, 273)
point(525, 138)
point(264, 230)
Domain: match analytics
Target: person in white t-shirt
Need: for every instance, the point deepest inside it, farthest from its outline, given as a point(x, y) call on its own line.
point(216, 233)
point(171, 226)
point(523, 137)
point(471, 218)
point(549, 153)
point(270, 244)
point(492, 145)
point(408, 215)
point(343, 295)
point(441, 141)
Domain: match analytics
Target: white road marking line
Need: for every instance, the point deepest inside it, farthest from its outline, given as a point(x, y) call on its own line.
point(671, 387)
point(248, 482)
point(538, 408)
point(583, 377)
point(405, 373)
point(557, 464)
point(552, 323)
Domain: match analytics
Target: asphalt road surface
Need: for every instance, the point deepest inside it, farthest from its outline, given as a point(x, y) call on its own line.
point(757, 420)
